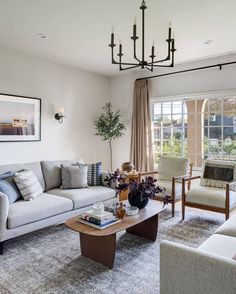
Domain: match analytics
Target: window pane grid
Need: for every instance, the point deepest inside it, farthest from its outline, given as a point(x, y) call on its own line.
point(197, 129)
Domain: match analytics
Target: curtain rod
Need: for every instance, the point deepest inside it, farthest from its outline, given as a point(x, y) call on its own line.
point(220, 65)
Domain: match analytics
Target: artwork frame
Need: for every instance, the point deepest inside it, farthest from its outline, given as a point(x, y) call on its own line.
point(20, 118)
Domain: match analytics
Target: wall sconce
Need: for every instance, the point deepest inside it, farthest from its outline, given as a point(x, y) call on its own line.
point(59, 116)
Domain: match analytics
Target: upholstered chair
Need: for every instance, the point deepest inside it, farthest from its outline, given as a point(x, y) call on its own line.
point(169, 175)
point(216, 190)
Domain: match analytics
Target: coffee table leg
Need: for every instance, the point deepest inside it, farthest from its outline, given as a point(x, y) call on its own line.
point(100, 249)
point(146, 229)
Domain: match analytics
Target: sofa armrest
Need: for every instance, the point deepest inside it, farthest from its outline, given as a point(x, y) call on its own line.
point(185, 270)
point(4, 207)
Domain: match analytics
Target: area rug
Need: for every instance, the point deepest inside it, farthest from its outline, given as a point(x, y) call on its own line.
point(49, 260)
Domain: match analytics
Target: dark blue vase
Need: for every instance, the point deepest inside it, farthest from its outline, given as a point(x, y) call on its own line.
point(136, 199)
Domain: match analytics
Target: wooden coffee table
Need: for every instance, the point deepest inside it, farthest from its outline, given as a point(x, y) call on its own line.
point(100, 245)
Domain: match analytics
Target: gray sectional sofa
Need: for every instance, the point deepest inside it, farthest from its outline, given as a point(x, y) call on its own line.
point(54, 206)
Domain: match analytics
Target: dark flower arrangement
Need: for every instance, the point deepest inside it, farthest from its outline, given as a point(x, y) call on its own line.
point(146, 188)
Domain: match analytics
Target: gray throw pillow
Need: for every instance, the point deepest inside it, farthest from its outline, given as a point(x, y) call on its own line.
point(9, 188)
point(74, 176)
point(28, 184)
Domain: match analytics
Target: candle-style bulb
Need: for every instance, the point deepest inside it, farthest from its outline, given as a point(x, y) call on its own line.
point(61, 110)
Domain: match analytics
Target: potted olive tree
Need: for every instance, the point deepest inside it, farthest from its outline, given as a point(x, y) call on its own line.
point(109, 127)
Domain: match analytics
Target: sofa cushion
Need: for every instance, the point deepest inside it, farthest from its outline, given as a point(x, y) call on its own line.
point(28, 184)
point(209, 196)
point(86, 196)
point(52, 172)
point(34, 166)
point(228, 228)
point(171, 166)
point(8, 187)
point(220, 245)
point(24, 212)
point(74, 176)
point(168, 186)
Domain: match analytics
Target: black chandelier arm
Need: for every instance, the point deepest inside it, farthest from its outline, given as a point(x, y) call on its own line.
point(150, 69)
point(167, 65)
point(126, 63)
point(113, 61)
point(168, 56)
point(135, 66)
point(135, 55)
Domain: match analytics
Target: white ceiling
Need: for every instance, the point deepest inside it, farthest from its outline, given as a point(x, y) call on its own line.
point(78, 31)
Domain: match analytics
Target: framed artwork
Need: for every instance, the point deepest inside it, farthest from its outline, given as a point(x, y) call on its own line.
point(20, 118)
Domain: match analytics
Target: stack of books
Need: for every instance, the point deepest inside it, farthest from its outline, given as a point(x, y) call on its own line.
point(98, 220)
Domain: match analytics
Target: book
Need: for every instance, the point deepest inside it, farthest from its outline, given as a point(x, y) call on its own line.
point(101, 216)
point(99, 227)
point(97, 221)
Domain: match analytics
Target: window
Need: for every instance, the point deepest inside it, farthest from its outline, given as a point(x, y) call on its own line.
point(198, 129)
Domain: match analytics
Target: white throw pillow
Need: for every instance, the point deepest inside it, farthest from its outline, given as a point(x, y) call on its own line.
point(28, 184)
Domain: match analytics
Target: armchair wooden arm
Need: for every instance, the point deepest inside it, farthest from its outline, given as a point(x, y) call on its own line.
point(146, 174)
point(232, 183)
point(227, 197)
point(191, 178)
point(180, 177)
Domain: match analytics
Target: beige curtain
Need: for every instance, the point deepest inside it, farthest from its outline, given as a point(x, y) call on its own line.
point(141, 137)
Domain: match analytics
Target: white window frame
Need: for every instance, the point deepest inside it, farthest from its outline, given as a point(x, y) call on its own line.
point(196, 96)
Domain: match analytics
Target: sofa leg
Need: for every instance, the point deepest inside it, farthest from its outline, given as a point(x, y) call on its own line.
point(1, 248)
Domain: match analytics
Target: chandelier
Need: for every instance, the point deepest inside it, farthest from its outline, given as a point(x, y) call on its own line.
point(153, 63)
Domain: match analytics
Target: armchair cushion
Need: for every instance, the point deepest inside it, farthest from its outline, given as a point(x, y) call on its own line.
point(209, 196)
point(218, 173)
point(228, 228)
point(168, 186)
point(171, 167)
point(224, 246)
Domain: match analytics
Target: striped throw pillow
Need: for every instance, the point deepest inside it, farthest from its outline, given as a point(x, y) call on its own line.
point(95, 174)
point(28, 184)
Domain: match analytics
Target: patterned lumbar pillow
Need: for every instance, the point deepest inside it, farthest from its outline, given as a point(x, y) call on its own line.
point(74, 176)
point(95, 174)
point(218, 173)
point(28, 184)
point(8, 187)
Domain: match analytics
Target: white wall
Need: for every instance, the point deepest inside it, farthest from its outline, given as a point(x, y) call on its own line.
point(121, 91)
point(82, 94)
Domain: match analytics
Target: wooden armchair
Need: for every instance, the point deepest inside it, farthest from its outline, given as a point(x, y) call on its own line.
point(217, 199)
point(170, 173)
